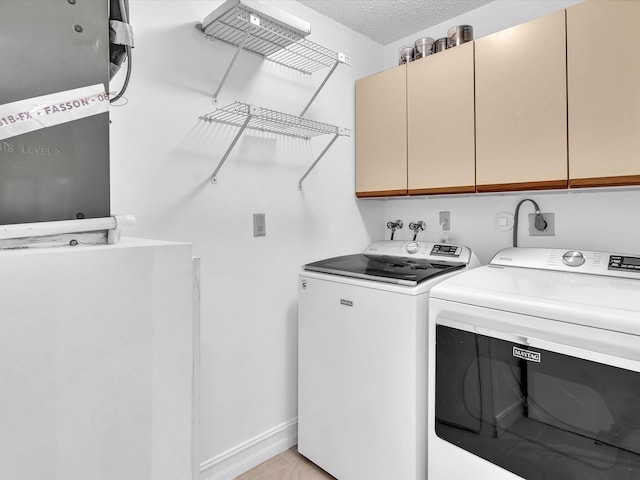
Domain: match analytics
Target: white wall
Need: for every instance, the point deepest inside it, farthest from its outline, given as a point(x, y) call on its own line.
point(584, 219)
point(162, 157)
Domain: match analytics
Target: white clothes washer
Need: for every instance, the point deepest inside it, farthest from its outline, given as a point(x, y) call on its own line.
point(363, 357)
point(534, 368)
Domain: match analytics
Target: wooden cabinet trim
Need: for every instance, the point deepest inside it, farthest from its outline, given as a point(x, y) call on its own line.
point(621, 181)
point(443, 190)
point(382, 193)
point(509, 187)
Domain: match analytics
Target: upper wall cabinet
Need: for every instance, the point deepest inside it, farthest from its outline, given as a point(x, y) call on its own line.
point(603, 93)
point(555, 107)
point(381, 139)
point(521, 107)
point(440, 100)
point(415, 127)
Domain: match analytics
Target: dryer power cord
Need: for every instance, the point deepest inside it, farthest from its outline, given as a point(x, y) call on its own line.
point(540, 223)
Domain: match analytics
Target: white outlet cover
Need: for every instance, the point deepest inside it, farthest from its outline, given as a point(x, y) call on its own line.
point(504, 221)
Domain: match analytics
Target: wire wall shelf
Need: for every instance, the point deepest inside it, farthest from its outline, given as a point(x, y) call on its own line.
point(248, 116)
point(271, 121)
point(265, 37)
point(276, 41)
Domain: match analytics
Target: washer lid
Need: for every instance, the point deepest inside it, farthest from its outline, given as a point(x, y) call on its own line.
point(384, 268)
point(598, 301)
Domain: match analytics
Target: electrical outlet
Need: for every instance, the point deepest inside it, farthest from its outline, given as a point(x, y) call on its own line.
point(550, 229)
point(445, 220)
point(259, 225)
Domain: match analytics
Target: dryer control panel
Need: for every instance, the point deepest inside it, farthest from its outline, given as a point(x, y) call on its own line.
point(624, 263)
point(578, 261)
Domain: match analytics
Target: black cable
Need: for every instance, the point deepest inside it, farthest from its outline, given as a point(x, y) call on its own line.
point(539, 222)
point(125, 19)
point(126, 78)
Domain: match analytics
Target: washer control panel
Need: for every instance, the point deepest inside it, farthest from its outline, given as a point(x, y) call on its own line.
point(437, 252)
point(446, 250)
point(624, 263)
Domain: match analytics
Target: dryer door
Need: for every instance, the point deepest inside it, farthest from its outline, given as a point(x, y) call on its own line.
point(535, 408)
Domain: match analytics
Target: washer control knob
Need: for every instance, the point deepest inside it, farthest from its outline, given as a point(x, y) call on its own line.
point(573, 258)
point(413, 247)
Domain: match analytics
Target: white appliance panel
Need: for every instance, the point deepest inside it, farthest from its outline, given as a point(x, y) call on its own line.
point(599, 301)
point(377, 362)
point(96, 362)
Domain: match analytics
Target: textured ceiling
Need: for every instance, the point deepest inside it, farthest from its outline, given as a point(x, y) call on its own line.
point(388, 20)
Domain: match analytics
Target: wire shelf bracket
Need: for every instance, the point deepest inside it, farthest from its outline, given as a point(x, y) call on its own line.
point(248, 116)
point(275, 41)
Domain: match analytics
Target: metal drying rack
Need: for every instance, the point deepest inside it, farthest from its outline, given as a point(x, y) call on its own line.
point(248, 116)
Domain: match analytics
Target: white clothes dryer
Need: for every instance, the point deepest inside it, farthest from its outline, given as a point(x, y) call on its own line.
point(362, 372)
point(534, 368)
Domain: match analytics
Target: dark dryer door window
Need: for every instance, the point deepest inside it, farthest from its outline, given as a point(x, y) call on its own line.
point(536, 413)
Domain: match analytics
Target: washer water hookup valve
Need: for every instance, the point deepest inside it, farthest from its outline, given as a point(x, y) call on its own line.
point(393, 226)
point(417, 227)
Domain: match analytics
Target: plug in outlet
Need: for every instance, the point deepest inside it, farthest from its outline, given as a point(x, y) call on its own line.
point(549, 230)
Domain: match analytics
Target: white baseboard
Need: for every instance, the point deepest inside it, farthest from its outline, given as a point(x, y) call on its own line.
point(238, 460)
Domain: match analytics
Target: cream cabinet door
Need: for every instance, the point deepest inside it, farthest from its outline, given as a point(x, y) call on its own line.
point(440, 110)
point(381, 134)
point(521, 107)
point(604, 93)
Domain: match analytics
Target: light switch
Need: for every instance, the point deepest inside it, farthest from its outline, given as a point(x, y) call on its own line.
point(445, 220)
point(259, 225)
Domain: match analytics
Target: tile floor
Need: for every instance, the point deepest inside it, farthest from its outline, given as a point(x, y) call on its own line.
point(289, 465)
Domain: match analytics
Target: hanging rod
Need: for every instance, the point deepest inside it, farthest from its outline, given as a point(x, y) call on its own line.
point(248, 116)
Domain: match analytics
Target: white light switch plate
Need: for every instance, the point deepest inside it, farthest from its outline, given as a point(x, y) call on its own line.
point(259, 225)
